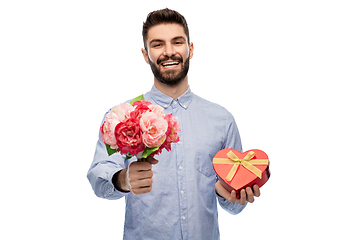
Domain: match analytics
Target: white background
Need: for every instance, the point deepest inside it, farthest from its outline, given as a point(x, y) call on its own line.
point(287, 70)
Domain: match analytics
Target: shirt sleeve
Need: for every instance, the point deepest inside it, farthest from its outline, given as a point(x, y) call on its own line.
point(232, 208)
point(232, 141)
point(102, 170)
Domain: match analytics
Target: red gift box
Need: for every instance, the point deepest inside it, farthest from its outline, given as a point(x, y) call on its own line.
point(240, 170)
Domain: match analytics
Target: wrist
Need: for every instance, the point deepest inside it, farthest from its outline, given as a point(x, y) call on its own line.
point(119, 181)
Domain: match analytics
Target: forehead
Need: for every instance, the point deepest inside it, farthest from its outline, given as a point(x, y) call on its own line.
point(166, 32)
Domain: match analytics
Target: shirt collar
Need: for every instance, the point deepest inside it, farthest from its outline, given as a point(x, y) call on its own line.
point(165, 101)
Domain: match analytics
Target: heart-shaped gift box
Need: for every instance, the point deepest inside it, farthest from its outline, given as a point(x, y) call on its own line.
point(239, 170)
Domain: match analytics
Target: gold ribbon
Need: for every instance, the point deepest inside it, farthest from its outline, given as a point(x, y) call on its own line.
point(247, 162)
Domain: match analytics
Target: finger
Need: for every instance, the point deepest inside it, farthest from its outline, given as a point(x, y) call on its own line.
point(142, 183)
point(232, 198)
point(139, 170)
point(242, 200)
point(152, 160)
point(141, 186)
point(139, 166)
point(256, 190)
point(134, 176)
point(142, 190)
point(250, 195)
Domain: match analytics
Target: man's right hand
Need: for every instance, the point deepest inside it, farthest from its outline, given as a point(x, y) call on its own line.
point(137, 178)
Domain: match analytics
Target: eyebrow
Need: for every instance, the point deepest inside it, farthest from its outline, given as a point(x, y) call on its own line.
point(175, 38)
point(179, 37)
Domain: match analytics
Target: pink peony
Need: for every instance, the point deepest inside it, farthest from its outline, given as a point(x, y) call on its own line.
point(128, 136)
point(172, 132)
point(123, 110)
point(108, 129)
point(140, 108)
point(113, 118)
point(156, 109)
point(130, 129)
point(154, 129)
point(141, 102)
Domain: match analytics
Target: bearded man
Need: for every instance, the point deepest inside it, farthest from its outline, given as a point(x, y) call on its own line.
point(174, 196)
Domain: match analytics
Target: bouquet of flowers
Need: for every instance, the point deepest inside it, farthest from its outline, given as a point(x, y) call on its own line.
point(139, 128)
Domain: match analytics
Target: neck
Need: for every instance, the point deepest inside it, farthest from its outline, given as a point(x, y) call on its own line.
point(173, 91)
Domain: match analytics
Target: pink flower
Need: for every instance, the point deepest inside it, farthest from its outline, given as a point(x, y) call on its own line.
point(123, 110)
point(128, 136)
point(130, 129)
point(108, 128)
point(172, 132)
point(140, 108)
point(157, 109)
point(154, 129)
point(141, 102)
point(113, 118)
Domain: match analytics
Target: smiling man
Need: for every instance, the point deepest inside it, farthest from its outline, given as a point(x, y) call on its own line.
point(170, 68)
point(175, 196)
point(168, 51)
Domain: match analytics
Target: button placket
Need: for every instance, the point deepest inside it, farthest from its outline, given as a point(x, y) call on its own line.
point(181, 174)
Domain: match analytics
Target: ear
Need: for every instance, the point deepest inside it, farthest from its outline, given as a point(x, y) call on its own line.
point(145, 55)
point(191, 47)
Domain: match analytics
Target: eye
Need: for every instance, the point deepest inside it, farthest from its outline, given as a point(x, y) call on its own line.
point(156, 45)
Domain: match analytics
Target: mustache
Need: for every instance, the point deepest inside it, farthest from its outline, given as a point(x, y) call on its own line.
point(167, 58)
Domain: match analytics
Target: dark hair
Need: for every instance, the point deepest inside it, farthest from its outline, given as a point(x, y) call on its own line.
point(163, 16)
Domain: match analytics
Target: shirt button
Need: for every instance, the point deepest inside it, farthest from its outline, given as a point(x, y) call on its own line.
point(182, 192)
point(183, 217)
point(180, 167)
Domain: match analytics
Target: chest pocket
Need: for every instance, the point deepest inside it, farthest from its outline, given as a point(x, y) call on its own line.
point(206, 150)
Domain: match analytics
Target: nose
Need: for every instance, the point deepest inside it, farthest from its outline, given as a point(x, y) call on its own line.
point(169, 50)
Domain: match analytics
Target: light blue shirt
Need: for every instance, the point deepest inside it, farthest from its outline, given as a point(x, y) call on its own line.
point(182, 203)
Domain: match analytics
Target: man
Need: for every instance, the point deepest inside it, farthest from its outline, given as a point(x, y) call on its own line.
point(173, 196)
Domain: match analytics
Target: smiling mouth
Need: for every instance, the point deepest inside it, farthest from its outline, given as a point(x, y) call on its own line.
point(170, 64)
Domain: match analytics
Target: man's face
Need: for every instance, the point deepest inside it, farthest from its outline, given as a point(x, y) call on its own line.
point(168, 53)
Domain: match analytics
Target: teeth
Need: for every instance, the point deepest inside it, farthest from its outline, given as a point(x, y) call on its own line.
point(170, 63)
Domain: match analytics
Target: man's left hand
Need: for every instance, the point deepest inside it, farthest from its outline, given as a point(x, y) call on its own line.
point(246, 195)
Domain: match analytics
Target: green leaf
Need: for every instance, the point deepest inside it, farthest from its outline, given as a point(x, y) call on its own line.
point(149, 151)
point(110, 150)
point(139, 98)
point(128, 156)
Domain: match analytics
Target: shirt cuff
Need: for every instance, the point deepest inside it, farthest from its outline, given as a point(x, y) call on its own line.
point(111, 192)
point(232, 208)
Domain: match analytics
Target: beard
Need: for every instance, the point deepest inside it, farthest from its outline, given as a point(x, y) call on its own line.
point(170, 77)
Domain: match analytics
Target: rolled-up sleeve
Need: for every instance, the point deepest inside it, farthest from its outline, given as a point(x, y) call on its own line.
point(233, 208)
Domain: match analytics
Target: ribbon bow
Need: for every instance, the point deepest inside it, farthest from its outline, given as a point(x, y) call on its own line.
point(247, 162)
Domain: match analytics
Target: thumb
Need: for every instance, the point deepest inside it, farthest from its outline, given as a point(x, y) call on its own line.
point(222, 192)
point(152, 160)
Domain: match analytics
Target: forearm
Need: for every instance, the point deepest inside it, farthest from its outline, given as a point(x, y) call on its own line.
point(100, 178)
point(119, 181)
